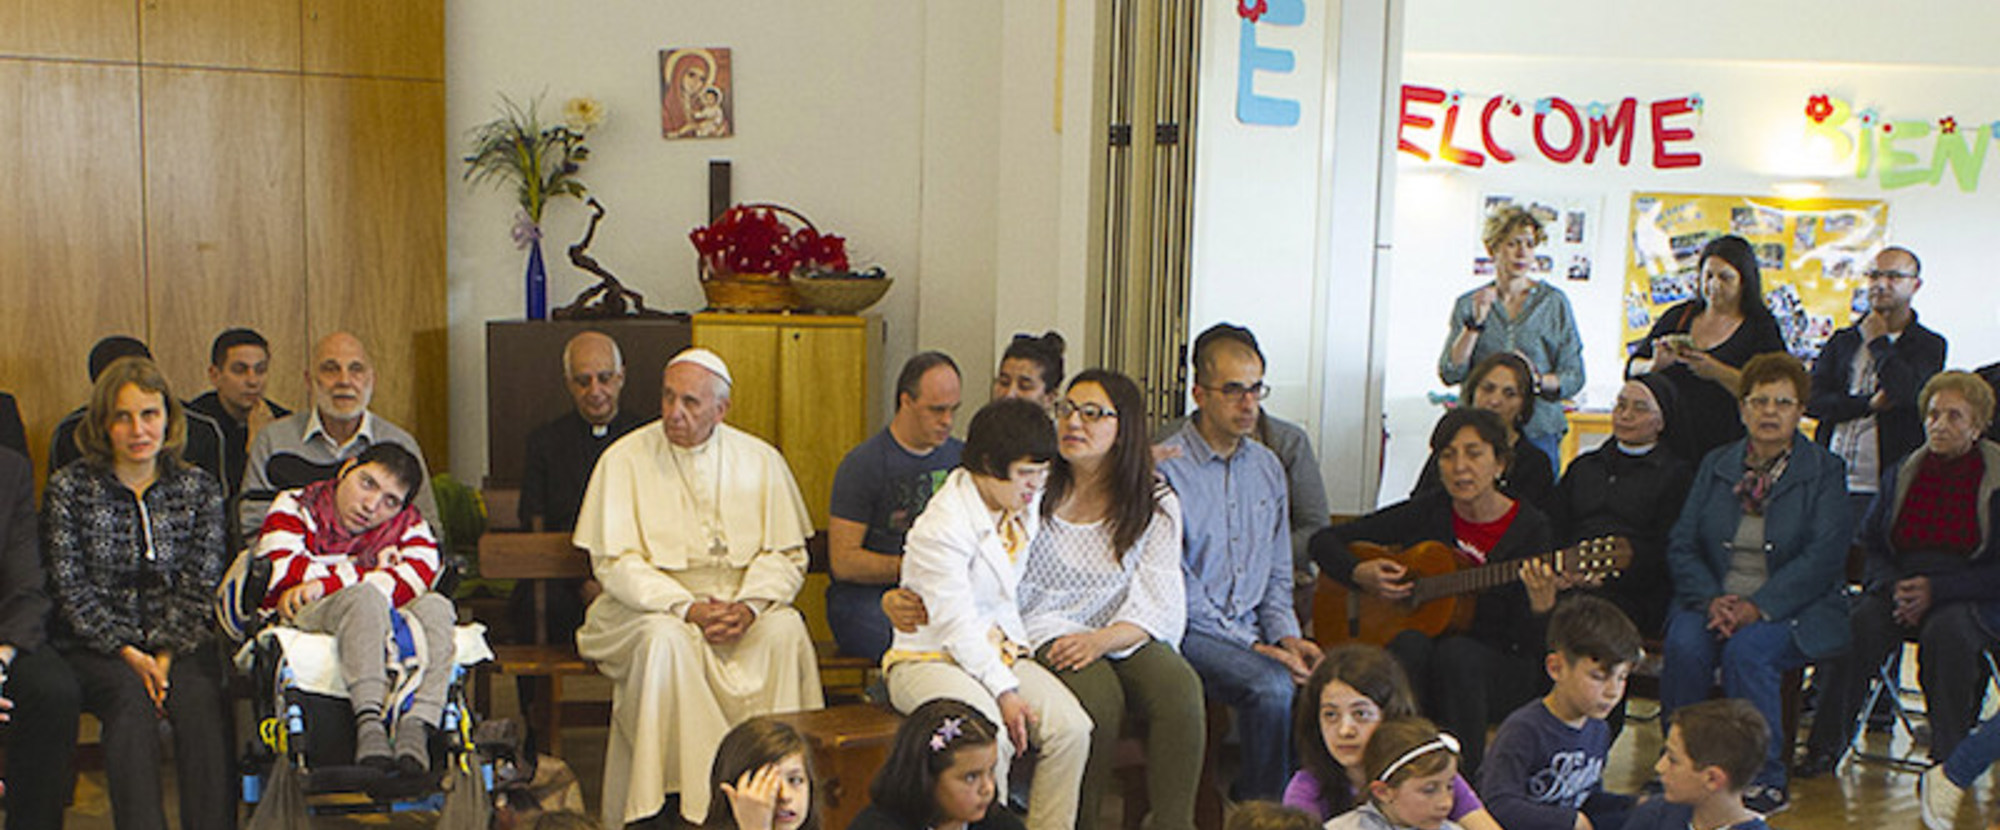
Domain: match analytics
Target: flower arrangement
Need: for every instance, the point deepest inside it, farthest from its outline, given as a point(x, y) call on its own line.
point(752, 239)
point(539, 161)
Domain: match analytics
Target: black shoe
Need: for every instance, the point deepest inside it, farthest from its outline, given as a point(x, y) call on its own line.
point(1814, 763)
point(413, 748)
point(1765, 800)
point(371, 744)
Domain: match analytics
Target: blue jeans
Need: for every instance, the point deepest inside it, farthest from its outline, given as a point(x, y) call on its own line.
point(1260, 690)
point(1974, 754)
point(1551, 446)
point(1752, 662)
point(854, 612)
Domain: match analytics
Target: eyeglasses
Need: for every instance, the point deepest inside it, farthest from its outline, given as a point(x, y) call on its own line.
point(1092, 413)
point(1879, 274)
point(1235, 391)
point(1761, 402)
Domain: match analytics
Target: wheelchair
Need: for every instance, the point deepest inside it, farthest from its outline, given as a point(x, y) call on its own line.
point(302, 755)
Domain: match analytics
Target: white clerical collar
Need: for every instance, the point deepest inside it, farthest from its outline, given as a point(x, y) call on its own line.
point(1636, 449)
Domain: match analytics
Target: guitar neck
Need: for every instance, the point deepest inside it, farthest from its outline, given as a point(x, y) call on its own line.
point(1473, 580)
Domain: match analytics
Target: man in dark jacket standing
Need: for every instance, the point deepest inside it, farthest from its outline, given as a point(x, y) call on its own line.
point(1865, 382)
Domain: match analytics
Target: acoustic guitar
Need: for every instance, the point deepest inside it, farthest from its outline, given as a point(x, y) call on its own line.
point(1441, 600)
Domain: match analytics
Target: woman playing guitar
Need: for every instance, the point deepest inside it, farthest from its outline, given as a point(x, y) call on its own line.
point(1471, 678)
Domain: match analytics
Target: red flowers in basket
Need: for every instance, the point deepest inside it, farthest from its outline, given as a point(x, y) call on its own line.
point(749, 239)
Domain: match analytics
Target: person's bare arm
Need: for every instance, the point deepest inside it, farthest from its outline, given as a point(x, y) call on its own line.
point(850, 562)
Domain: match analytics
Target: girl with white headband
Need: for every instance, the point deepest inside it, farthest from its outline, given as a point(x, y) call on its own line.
point(1410, 766)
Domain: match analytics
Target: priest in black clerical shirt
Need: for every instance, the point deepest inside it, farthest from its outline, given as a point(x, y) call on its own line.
point(561, 454)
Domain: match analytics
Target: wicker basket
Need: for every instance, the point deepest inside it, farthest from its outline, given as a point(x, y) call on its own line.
point(841, 295)
point(748, 292)
point(728, 291)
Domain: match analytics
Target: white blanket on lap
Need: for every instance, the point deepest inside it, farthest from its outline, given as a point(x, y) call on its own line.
point(315, 662)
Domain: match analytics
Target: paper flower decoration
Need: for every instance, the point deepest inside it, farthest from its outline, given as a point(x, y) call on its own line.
point(1596, 110)
point(1452, 99)
point(1544, 105)
point(1868, 117)
point(1251, 9)
point(1695, 101)
point(1948, 125)
point(1818, 108)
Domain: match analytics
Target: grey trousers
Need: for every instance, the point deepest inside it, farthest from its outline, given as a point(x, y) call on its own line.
point(358, 618)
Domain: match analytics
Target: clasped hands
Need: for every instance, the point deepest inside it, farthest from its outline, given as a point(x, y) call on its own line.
point(1729, 613)
point(721, 622)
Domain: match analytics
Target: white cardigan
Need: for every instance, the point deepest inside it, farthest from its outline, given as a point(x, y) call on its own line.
point(954, 558)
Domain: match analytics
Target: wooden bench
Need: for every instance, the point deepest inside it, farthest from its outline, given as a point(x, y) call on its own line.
point(850, 743)
point(534, 559)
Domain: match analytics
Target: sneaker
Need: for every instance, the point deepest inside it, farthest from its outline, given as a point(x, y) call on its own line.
point(1939, 798)
point(1766, 800)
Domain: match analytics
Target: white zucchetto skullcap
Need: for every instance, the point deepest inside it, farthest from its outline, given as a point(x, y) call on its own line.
point(706, 360)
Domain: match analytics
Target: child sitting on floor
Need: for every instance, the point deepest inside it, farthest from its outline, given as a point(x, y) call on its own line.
point(1410, 766)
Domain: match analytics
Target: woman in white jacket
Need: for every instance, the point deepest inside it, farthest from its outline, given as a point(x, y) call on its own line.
point(964, 556)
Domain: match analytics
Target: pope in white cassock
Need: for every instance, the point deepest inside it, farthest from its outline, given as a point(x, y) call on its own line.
point(697, 532)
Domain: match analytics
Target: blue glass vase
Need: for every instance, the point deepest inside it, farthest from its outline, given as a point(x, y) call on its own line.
point(538, 283)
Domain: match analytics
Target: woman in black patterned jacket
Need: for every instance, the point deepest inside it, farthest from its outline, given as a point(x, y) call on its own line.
point(134, 539)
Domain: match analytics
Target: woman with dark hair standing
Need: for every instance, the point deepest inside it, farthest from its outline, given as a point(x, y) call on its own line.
point(1529, 476)
point(1104, 599)
point(1031, 368)
point(134, 541)
point(1700, 345)
point(1468, 679)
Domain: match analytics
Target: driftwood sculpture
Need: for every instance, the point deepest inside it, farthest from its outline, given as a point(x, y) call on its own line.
point(609, 298)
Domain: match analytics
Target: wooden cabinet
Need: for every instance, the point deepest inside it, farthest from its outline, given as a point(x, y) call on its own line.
point(801, 384)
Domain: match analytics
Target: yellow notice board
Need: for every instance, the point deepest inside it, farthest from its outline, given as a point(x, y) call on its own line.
point(1812, 254)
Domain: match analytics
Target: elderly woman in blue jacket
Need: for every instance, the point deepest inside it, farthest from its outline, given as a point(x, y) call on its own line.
point(1757, 559)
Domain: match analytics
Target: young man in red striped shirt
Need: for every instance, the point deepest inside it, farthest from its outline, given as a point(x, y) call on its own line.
point(345, 553)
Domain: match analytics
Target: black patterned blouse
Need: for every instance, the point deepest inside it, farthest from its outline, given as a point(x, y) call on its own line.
point(130, 571)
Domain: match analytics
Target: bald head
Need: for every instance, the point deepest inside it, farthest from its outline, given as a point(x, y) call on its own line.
point(594, 373)
point(342, 377)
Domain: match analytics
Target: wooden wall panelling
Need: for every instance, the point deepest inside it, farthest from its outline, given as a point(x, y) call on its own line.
point(238, 34)
point(225, 228)
point(823, 381)
point(751, 351)
point(375, 239)
point(89, 29)
point(377, 38)
point(71, 266)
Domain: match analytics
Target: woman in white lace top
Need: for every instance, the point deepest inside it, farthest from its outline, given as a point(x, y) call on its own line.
point(1103, 597)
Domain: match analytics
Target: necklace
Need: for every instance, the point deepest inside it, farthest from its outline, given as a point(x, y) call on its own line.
point(710, 513)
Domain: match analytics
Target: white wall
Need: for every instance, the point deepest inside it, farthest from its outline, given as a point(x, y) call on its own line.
point(1755, 75)
point(920, 131)
point(1288, 220)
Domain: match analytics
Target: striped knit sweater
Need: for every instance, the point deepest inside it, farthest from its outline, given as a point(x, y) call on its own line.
point(289, 539)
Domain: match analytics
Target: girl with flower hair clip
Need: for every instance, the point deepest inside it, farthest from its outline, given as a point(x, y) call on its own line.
point(939, 775)
point(1410, 767)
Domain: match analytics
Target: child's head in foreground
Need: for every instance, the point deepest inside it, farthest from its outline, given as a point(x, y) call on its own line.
point(763, 760)
point(1269, 815)
point(940, 768)
point(1713, 748)
point(1410, 765)
point(1592, 649)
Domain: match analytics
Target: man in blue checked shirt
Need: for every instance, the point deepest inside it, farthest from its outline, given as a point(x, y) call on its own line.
point(1242, 636)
